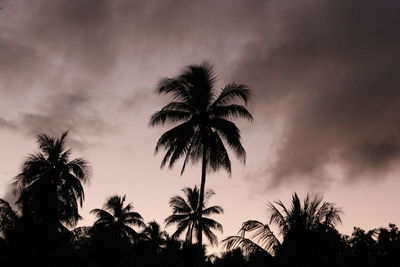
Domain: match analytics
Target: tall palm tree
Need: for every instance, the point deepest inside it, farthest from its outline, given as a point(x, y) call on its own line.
point(49, 188)
point(186, 217)
point(204, 118)
point(293, 222)
point(118, 218)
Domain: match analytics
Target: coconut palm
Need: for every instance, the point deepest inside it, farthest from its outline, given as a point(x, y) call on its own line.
point(294, 224)
point(186, 217)
point(153, 234)
point(117, 219)
point(204, 122)
point(49, 188)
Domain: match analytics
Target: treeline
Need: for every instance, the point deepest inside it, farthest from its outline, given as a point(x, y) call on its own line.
point(41, 231)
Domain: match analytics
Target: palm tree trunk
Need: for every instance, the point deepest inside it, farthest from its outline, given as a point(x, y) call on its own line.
point(202, 187)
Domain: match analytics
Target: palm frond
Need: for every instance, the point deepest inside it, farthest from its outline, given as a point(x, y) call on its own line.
point(229, 131)
point(277, 217)
point(102, 215)
point(262, 234)
point(172, 116)
point(175, 87)
point(231, 111)
point(211, 224)
point(80, 168)
point(175, 218)
point(232, 92)
point(178, 106)
point(134, 218)
point(176, 141)
point(179, 205)
point(212, 210)
point(210, 236)
point(246, 244)
point(217, 155)
point(182, 226)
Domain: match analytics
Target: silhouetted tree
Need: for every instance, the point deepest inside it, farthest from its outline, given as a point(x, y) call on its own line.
point(307, 230)
point(151, 246)
point(204, 122)
point(49, 192)
point(117, 219)
point(112, 233)
point(363, 250)
point(154, 236)
point(50, 186)
point(186, 217)
point(388, 244)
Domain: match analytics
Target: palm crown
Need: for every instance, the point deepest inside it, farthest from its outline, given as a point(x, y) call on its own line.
point(293, 222)
point(154, 236)
point(204, 116)
point(185, 215)
point(50, 185)
point(118, 218)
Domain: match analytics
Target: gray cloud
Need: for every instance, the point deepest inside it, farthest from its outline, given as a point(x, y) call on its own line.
point(330, 69)
point(53, 59)
point(66, 111)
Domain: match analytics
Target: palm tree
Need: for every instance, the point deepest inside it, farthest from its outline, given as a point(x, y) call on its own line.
point(118, 219)
point(186, 217)
point(294, 223)
point(49, 188)
point(154, 236)
point(204, 118)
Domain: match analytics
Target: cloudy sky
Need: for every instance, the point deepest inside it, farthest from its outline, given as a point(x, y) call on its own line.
point(325, 77)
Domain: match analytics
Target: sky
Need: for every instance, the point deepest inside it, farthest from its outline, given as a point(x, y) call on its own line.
point(325, 98)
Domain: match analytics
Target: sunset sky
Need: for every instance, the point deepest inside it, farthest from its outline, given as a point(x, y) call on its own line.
point(325, 80)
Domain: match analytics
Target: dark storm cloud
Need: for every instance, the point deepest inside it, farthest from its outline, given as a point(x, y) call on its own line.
point(331, 70)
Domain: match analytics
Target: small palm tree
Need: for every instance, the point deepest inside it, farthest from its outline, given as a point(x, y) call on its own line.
point(204, 118)
point(186, 217)
point(50, 185)
point(118, 219)
point(294, 223)
point(154, 236)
